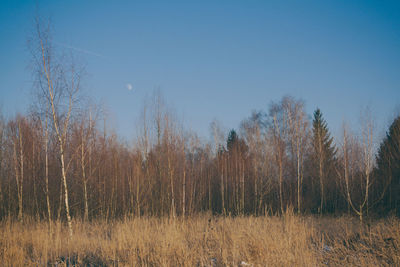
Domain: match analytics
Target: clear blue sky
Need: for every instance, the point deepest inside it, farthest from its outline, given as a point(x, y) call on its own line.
point(216, 59)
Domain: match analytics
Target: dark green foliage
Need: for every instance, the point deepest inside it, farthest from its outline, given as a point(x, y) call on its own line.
point(234, 143)
point(320, 129)
point(232, 140)
point(323, 158)
point(388, 168)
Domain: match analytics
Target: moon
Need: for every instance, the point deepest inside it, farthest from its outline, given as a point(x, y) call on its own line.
point(129, 86)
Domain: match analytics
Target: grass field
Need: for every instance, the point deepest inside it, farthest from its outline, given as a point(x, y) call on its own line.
point(288, 240)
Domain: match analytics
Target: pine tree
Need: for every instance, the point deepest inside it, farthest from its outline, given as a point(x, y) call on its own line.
point(388, 168)
point(324, 154)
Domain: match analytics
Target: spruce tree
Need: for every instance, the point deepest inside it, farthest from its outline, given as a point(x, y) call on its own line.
point(235, 143)
point(324, 154)
point(388, 168)
point(232, 140)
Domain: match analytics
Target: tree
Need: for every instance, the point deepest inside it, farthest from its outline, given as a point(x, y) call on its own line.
point(2, 200)
point(42, 119)
point(17, 129)
point(237, 152)
point(367, 157)
point(297, 126)
point(232, 140)
point(357, 163)
point(58, 80)
point(253, 130)
point(388, 168)
point(85, 134)
point(278, 134)
point(323, 152)
point(218, 137)
point(290, 131)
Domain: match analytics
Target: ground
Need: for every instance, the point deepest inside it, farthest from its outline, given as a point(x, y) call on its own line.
point(203, 240)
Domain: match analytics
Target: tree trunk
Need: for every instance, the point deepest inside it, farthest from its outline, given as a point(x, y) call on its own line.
point(223, 188)
point(243, 189)
point(280, 183)
point(255, 189)
point(47, 178)
point(64, 177)
point(298, 181)
point(21, 174)
point(184, 189)
point(84, 180)
point(171, 179)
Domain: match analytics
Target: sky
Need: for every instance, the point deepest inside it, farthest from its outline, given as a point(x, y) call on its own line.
point(215, 59)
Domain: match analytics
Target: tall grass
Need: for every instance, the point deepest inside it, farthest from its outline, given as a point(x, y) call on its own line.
point(287, 240)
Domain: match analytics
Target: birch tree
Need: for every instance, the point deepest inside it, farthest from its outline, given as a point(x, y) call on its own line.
point(85, 133)
point(278, 133)
point(357, 162)
point(58, 78)
point(297, 126)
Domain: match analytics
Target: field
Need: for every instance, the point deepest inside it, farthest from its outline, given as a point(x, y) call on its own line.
point(287, 240)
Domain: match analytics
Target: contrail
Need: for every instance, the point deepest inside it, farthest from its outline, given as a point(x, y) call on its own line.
point(80, 50)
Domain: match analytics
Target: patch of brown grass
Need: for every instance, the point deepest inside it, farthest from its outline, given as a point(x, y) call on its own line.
point(288, 240)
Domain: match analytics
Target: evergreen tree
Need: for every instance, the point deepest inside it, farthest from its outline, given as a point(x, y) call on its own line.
point(235, 143)
point(388, 168)
point(232, 140)
point(324, 154)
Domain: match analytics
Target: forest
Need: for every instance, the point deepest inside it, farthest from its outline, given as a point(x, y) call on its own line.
point(62, 165)
point(277, 159)
point(60, 160)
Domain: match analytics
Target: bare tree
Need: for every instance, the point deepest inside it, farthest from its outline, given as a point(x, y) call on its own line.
point(183, 155)
point(297, 125)
point(85, 130)
point(254, 133)
point(59, 82)
point(368, 156)
point(15, 134)
point(357, 160)
point(218, 136)
point(42, 117)
point(278, 135)
point(46, 145)
point(143, 149)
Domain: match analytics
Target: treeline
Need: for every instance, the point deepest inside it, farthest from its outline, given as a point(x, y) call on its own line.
point(60, 160)
point(277, 159)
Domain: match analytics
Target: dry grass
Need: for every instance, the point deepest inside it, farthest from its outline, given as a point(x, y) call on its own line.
point(199, 241)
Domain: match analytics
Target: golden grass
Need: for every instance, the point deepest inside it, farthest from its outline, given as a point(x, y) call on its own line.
point(288, 240)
